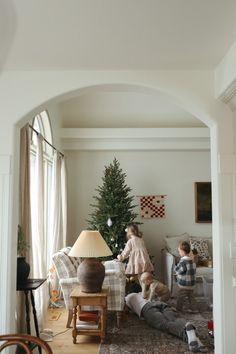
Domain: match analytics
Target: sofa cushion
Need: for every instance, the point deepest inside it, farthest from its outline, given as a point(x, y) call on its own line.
point(204, 272)
point(209, 242)
point(172, 242)
point(201, 246)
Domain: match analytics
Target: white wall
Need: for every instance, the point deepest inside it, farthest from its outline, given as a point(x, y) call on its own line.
point(24, 92)
point(148, 172)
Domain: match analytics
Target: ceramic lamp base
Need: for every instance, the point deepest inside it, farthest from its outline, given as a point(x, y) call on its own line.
point(91, 273)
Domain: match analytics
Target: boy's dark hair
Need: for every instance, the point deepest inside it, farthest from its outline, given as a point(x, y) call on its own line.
point(185, 246)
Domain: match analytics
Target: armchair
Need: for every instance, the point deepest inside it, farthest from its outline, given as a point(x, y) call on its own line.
point(170, 256)
point(66, 268)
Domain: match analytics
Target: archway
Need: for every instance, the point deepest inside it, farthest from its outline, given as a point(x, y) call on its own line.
point(192, 108)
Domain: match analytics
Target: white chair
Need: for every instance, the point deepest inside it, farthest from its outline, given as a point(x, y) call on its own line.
point(115, 280)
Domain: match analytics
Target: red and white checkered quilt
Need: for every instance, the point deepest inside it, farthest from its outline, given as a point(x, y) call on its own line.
point(152, 206)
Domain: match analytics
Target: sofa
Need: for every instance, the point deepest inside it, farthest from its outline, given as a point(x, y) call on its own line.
point(115, 280)
point(204, 270)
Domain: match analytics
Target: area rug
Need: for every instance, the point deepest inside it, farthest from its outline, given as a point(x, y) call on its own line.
point(53, 315)
point(136, 337)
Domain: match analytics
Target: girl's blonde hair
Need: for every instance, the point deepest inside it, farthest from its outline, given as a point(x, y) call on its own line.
point(145, 276)
point(135, 230)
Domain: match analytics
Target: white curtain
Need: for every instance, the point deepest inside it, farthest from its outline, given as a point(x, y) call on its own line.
point(64, 200)
point(38, 237)
point(59, 203)
point(24, 185)
point(24, 214)
point(59, 220)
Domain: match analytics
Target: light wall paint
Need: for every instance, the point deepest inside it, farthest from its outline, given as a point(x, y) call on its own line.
point(25, 93)
point(134, 34)
point(5, 254)
point(107, 109)
point(148, 173)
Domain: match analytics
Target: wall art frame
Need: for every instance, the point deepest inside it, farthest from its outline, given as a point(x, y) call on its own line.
point(203, 202)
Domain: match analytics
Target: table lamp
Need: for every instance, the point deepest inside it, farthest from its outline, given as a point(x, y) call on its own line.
point(91, 272)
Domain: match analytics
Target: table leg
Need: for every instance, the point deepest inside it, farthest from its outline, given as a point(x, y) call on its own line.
point(74, 331)
point(27, 312)
point(103, 324)
point(118, 318)
point(34, 313)
point(105, 319)
point(35, 317)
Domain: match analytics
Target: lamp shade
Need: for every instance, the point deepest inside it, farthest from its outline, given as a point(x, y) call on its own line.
point(90, 244)
point(91, 272)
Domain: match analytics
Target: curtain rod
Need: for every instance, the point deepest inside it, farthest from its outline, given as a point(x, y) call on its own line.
point(46, 141)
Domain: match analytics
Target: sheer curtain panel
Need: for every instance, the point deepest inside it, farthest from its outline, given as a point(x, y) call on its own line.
point(24, 186)
point(59, 203)
point(38, 237)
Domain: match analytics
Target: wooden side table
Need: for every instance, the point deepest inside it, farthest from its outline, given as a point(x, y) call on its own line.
point(79, 299)
point(28, 287)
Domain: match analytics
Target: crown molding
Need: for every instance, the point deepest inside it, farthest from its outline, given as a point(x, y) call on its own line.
point(131, 133)
point(227, 95)
point(135, 138)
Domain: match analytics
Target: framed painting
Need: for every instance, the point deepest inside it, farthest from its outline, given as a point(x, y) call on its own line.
point(203, 206)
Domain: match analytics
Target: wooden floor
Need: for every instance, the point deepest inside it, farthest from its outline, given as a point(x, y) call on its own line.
point(62, 343)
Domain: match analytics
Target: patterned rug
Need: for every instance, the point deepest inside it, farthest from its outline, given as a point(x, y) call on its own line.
point(136, 337)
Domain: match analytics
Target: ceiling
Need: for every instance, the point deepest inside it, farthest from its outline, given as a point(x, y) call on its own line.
point(116, 109)
point(116, 34)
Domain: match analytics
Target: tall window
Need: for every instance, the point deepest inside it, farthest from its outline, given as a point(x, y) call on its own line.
point(48, 205)
point(41, 124)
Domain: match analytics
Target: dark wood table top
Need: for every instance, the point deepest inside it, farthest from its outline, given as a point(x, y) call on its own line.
point(30, 284)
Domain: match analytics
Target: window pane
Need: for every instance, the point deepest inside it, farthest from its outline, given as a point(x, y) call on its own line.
point(36, 124)
point(41, 124)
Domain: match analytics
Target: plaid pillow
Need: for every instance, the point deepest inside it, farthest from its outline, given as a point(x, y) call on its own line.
point(66, 266)
point(74, 261)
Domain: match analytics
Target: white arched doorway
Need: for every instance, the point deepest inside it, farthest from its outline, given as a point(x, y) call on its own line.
point(222, 188)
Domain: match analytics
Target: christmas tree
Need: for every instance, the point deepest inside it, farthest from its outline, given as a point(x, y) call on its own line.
point(113, 209)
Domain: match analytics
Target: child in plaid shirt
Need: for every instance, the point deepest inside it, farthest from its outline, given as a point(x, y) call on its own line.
point(186, 278)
